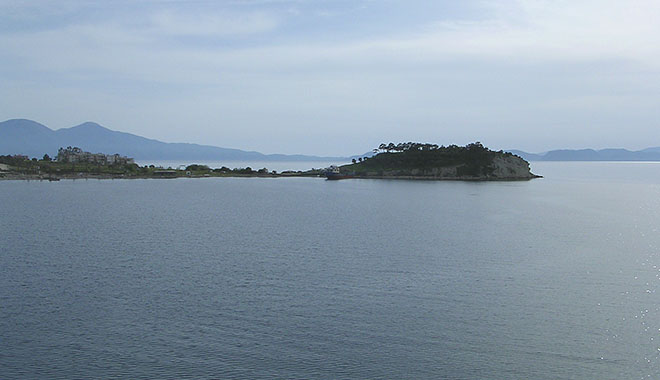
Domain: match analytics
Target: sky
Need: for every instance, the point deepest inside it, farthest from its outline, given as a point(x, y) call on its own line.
point(339, 77)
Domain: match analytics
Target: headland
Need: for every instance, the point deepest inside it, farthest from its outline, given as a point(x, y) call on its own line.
point(473, 162)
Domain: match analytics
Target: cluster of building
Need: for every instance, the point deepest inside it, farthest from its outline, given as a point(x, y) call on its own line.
point(76, 155)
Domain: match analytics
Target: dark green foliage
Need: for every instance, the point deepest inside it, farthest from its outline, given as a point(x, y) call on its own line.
point(223, 169)
point(402, 147)
point(401, 159)
point(247, 170)
point(13, 160)
point(198, 168)
point(25, 165)
point(132, 168)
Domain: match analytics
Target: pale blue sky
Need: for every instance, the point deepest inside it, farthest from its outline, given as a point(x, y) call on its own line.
point(339, 77)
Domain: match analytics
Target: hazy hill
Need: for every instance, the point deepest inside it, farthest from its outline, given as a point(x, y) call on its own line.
point(648, 154)
point(26, 137)
point(21, 136)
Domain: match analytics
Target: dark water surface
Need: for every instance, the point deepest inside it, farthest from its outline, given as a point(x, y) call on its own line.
point(299, 278)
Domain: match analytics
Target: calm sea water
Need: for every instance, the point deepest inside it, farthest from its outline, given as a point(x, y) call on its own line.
point(300, 278)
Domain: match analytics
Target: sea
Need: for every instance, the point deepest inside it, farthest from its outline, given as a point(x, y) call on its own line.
point(303, 278)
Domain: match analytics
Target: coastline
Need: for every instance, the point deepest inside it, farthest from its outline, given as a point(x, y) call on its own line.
point(37, 177)
point(462, 178)
point(405, 161)
point(86, 176)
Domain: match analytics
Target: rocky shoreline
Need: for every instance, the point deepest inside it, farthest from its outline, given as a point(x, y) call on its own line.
point(30, 177)
point(432, 178)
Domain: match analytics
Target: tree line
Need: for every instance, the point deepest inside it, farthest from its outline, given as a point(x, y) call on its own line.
point(415, 146)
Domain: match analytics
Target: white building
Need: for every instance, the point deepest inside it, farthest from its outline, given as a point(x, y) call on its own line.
point(75, 155)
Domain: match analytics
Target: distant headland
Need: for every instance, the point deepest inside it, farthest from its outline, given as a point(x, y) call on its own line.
point(430, 161)
point(75, 163)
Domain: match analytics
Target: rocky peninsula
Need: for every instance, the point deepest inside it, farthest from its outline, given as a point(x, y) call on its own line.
point(473, 162)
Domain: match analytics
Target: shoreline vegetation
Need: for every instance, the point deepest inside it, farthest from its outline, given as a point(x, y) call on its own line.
point(409, 161)
point(23, 168)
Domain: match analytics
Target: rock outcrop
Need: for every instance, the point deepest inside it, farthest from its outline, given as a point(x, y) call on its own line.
point(511, 167)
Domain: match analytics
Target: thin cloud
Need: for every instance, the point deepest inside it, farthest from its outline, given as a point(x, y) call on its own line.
point(521, 31)
point(514, 64)
point(212, 25)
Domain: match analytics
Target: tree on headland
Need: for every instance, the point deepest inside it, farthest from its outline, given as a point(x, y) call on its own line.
point(223, 169)
point(46, 157)
point(405, 146)
point(471, 160)
point(197, 168)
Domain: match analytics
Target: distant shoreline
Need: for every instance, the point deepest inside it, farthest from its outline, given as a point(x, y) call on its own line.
point(403, 161)
point(85, 176)
point(467, 179)
point(36, 177)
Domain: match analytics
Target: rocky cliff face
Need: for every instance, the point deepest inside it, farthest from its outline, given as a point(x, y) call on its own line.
point(511, 167)
point(502, 167)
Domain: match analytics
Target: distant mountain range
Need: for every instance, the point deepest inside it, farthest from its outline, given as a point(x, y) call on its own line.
point(648, 154)
point(27, 137)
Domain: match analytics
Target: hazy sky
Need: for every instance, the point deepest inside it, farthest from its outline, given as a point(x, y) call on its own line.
point(339, 77)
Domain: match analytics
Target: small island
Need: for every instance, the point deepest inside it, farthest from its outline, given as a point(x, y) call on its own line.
point(410, 160)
